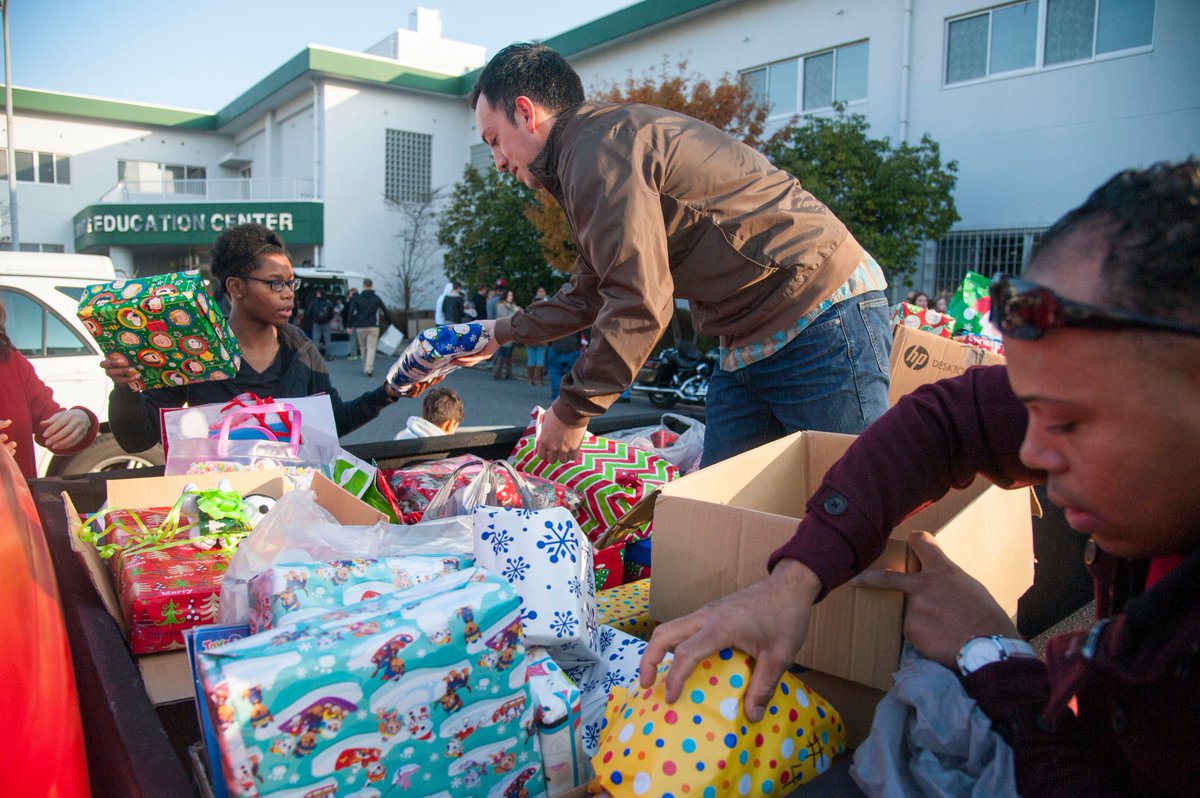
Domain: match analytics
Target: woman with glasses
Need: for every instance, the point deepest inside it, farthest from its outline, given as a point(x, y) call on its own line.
point(254, 270)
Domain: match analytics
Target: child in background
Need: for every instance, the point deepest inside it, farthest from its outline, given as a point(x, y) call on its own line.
point(441, 413)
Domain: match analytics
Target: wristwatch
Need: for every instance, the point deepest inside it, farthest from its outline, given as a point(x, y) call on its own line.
point(980, 651)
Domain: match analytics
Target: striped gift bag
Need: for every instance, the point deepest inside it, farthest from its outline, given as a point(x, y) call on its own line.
point(611, 476)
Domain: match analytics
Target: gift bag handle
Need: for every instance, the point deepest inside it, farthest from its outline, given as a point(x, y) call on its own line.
point(281, 408)
point(442, 497)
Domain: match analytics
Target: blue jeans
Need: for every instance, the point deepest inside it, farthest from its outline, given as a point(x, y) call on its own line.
point(535, 355)
point(558, 365)
point(833, 377)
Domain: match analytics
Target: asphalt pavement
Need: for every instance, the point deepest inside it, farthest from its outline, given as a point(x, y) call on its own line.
point(488, 402)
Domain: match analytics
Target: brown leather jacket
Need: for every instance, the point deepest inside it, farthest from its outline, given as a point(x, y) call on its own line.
point(665, 206)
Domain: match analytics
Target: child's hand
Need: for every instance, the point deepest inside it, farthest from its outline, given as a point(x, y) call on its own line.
point(10, 445)
point(65, 429)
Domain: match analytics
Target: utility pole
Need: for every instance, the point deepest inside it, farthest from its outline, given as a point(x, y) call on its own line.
point(8, 119)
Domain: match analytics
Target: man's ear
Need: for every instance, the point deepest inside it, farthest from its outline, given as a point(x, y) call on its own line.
point(528, 113)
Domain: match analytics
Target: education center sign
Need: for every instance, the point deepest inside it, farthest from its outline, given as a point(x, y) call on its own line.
point(193, 223)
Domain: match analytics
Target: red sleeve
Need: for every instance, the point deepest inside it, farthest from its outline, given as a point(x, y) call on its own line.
point(937, 438)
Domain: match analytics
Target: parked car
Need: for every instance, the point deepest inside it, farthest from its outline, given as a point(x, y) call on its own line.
point(41, 292)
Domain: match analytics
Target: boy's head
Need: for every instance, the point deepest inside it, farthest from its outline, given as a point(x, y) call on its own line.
point(444, 408)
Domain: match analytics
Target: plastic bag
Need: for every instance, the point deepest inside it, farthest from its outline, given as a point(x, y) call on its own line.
point(684, 451)
point(317, 450)
point(298, 529)
point(482, 491)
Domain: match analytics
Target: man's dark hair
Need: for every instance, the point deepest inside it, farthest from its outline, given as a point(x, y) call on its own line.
point(235, 252)
point(1149, 220)
point(441, 405)
point(532, 70)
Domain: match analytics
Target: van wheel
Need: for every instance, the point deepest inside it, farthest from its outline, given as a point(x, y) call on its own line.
point(105, 454)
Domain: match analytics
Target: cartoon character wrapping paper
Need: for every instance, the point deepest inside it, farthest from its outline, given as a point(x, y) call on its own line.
point(288, 593)
point(166, 326)
point(393, 695)
point(703, 745)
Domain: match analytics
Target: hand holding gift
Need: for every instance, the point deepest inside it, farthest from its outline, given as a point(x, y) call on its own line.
point(436, 352)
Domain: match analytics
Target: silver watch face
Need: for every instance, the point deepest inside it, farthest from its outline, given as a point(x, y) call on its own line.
point(977, 652)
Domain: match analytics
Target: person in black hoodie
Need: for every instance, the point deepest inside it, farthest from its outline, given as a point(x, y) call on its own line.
point(365, 310)
point(251, 265)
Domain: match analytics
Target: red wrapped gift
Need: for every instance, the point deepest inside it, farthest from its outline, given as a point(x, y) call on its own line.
point(920, 318)
point(609, 566)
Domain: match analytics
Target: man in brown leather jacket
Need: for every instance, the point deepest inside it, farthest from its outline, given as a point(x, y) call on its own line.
point(665, 206)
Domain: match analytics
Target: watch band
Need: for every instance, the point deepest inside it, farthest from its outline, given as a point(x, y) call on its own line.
point(980, 651)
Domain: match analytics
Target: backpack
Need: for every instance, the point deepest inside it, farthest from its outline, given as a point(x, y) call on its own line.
point(322, 311)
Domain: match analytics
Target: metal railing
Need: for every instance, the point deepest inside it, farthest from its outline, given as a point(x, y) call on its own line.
point(212, 190)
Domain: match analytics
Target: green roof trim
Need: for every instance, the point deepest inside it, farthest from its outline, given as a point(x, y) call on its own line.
point(52, 102)
point(624, 22)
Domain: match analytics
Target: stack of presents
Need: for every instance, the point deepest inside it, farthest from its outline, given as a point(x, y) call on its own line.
point(466, 627)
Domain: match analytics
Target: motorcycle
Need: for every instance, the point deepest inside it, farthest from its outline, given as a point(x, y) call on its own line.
point(679, 374)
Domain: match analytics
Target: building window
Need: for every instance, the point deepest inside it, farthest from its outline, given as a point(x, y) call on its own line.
point(481, 158)
point(986, 252)
point(811, 82)
point(37, 167)
point(148, 177)
point(6, 246)
point(1005, 39)
point(408, 166)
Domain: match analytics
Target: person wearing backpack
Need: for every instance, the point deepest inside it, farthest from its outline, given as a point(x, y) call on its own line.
point(320, 311)
point(365, 310)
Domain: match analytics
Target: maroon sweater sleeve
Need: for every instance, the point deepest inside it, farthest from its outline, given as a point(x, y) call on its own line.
point(937, 438)
point(42, 406)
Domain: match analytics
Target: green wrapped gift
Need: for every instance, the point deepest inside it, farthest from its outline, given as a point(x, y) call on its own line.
point(167, 326)
point(970, 305)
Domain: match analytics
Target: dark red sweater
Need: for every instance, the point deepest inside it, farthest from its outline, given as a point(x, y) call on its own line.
point(1138, 728)
point(28, 401)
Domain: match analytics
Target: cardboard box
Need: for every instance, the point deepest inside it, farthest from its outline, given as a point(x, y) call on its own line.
point(166, 675)
point(919, 357)
point(715, 529)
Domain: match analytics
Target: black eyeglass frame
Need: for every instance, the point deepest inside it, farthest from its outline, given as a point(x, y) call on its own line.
point(293, 283)
point(1055, 311)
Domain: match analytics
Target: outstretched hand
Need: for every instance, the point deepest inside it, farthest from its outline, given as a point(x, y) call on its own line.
point(946, 606)
point(767, 620)
point(488, 350)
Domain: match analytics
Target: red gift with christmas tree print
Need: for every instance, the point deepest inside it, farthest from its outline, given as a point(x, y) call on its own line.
point(164, 591)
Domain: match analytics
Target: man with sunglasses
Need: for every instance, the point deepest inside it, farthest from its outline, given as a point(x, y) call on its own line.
point(1100, 400)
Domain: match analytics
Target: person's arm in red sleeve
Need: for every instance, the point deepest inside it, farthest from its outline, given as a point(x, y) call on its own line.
point(60, 430)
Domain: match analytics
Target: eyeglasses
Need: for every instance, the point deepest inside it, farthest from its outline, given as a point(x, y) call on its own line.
point(1025, 311)
point(278, 285)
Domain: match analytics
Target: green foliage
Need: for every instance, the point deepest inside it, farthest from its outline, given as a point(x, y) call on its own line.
point(891, 197)
point(487, 236)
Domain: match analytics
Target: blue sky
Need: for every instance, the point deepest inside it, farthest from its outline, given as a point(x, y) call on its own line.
point(204, 54)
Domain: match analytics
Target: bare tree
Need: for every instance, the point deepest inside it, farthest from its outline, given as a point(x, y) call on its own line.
point(413, 263)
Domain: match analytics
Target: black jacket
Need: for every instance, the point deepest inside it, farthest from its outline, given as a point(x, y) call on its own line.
point(134, 416)
point(365, 309)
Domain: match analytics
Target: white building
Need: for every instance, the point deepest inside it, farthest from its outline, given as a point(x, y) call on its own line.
point(1038, 102)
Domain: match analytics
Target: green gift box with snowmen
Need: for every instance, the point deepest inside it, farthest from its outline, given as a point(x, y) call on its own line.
point(420, 692)
point(166, 325)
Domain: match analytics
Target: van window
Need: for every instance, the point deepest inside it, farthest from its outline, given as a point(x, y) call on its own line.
point(36, 331)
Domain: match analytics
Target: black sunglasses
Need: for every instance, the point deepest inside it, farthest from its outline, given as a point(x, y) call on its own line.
point(1026, 310)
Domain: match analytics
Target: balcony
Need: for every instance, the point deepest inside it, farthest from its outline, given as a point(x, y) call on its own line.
point(232, 189)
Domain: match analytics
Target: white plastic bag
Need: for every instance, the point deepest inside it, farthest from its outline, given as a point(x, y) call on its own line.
point(298, 529)
point(684, 453)
point(481, 491)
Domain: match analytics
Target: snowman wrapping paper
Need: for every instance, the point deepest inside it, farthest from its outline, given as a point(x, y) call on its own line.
point(432, 352)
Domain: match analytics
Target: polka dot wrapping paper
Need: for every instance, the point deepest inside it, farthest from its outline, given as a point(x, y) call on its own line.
point(702, 746)
point(627, 607)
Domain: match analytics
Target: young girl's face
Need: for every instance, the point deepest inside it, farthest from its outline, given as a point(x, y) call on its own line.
point(508, 298)
point(253, 295)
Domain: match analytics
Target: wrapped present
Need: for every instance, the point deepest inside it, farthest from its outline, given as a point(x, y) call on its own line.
point(611, 476)
point(432, 352)
point(620, 656)
point(919, 318)
point(648, 748)
point(166, 325)
point(627, 608)
point(410, 489)
point(545, 557)
point(980, 341)
point(419, 692)
point(355, 476)
point(556, 703)
point(609, 566)
point(290, 592)
point(971, 305)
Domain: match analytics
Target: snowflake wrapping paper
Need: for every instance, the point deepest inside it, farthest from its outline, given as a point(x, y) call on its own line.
point(164, 591)
point(420, 693)
point(290, 592)
point(627, 608)
point(557, 708)
point(166, 326)
point(431, 353)
point(703, 744)
point(544, 555)
point(620, 655)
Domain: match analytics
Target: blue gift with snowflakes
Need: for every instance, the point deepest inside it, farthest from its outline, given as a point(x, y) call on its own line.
point(432, 352)
point(420, 692)
point(547, 559)
point(290, 592)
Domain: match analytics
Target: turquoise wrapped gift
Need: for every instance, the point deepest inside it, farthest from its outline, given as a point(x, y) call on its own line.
point(291, 592)
point(419, 693)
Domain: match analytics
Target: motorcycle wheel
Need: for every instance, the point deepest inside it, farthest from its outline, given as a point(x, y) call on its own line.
point(663, 400)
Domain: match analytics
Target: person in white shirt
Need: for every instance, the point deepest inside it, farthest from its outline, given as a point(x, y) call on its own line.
point(441, 413)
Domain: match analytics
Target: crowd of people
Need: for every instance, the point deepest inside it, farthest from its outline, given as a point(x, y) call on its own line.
point(800, 311)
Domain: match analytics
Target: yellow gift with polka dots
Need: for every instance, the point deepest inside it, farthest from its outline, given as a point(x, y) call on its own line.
point(703, 746)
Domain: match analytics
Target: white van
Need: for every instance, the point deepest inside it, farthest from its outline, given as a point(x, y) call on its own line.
point(41, 291)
